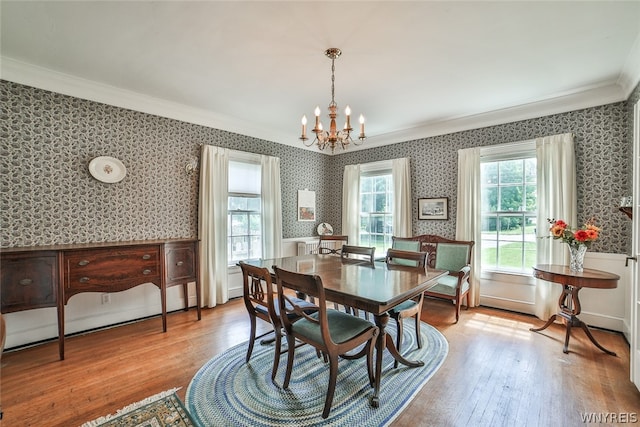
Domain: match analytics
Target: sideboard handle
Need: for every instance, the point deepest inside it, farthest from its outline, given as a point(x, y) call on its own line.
point(84, 279)
point(83, 262)
point(145, 272)
point(26, 282)
point(146, 256)
point(179, 263)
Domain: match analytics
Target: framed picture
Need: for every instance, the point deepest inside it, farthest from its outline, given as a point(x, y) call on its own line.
point(433, 208)
point(306, 205)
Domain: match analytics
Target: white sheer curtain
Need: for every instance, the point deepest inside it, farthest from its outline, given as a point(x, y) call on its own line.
point(271, 207)
point(468, 221)
point(557, 198)
point(402, 214)
point(212, 214)
point(351, 203)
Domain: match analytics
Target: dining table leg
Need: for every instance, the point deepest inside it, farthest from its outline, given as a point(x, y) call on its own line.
point(383, 341)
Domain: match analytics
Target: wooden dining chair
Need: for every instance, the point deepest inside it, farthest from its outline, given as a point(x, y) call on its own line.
point(413, 307)
point(331, 244)
point(358, 252)
point(332, 332)
point(261, 302)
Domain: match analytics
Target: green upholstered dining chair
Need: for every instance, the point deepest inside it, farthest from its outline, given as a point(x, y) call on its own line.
point(358, 253)
point(332, 332)
point(405, 245)
point(456, 259)
point(412, 307)
point(261, 302)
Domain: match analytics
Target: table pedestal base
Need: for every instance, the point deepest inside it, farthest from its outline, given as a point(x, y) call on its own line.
point(569, 302)
point(386, 341)
point(572, 320)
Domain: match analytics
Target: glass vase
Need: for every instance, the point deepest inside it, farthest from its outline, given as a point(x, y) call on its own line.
point(576, 260)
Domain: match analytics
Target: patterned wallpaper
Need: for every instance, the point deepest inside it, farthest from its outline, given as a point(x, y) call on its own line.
point(49, 197)
point(603, 149)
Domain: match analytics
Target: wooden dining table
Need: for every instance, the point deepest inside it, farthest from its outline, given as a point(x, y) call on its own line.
point(375, 288)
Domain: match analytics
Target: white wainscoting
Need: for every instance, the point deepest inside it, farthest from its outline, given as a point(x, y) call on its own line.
point(605, 308)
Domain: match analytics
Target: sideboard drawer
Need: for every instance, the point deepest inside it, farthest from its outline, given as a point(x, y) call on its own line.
point(28, 281)
point(98, 269)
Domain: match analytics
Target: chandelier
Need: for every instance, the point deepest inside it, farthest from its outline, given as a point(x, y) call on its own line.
point(333, 136)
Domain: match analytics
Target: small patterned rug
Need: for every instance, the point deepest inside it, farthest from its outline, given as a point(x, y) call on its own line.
point(162, 410)
point(226, 391)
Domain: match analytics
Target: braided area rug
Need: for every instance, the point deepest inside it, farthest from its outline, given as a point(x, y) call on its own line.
point(226, 391)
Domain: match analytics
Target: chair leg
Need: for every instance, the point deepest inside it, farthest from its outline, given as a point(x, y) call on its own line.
point(418, 334)
point(370, 348)
point(276, 354)
point(291, 344)
point(333, 376)
point(457, 309)
point(252, 337)
point(400, 332)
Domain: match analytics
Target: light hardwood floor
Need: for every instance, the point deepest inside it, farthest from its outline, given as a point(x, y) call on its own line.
point(497, 372)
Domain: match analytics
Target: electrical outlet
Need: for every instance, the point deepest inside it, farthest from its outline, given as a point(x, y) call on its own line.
point(106, 298)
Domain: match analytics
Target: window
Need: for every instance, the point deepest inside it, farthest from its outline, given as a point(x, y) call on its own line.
point(376, 210)
point(244, 231)
point(509, 209)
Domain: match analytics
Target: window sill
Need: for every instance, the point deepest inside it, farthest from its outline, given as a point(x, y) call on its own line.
point(520, 278)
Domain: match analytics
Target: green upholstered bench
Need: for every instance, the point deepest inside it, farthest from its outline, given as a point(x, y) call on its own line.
point(444, 254)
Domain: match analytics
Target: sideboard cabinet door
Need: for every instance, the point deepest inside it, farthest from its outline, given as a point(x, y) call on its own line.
point(180, 262)
point(28, 280)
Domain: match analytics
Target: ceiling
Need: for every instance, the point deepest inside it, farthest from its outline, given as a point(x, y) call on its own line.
point(413, 69)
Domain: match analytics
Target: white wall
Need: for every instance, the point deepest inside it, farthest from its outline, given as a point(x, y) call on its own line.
point(605, 308)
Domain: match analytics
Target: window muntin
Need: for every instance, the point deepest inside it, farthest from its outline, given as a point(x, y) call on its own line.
point(376, 210)
point(509, 205)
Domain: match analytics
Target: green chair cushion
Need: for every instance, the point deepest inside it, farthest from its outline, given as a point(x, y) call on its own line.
point(406, 245)
point(451, 256)
point(404, 306)
point(342, 326)
point(447, 286)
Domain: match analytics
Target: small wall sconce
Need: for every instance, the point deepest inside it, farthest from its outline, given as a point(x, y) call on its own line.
point(192, 166)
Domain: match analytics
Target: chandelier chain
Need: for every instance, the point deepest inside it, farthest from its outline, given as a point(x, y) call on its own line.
point(333, 82)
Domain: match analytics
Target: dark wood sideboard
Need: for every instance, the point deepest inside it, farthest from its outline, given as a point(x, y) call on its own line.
point(47, 276)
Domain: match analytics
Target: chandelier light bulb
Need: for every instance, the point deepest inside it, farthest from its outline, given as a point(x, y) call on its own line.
point(304, 128)
point(361, 136)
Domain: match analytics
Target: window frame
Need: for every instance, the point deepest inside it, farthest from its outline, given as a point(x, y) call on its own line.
point(500, 153)
point(254, 161)
point(372, 170)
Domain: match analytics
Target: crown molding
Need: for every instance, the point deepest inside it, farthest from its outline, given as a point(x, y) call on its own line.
point(42, 78)
point(588, 98)
point(630, 75)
